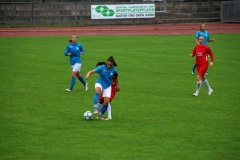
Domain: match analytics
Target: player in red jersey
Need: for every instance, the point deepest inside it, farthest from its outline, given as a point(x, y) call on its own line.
point(113, 92)
point(201, 51)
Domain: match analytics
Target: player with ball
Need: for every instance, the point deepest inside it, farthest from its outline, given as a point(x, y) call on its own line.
point(103, 84)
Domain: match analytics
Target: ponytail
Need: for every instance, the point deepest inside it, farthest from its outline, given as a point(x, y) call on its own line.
point(111, 59)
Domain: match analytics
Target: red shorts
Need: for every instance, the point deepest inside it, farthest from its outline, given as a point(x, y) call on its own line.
point(202, 68)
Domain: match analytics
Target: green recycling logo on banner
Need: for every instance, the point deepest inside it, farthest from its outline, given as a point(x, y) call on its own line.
point(105, 11)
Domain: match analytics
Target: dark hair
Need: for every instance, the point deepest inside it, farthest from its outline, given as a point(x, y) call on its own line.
point(100, 63)
point(111, 59)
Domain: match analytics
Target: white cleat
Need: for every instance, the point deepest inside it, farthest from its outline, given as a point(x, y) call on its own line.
point(68, 90)
point(86, 86)
point(210, 91)
point(108, 118)
point(195, 94)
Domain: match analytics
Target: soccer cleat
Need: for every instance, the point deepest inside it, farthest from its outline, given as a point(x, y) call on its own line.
point(100, 118)
point(86, 86)
point(192, 71)
point(195, 94)
point(108, 118)
point(68, 90)
point(210, 91)
point(95, 111)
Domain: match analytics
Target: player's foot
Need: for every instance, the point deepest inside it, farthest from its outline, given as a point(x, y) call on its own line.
point(100, 118)
point(210, 91)
point(86, 86)
point(68, 90)
point(95, 111)
point(207, 73)
point(108, 118)
point(192, 71)
point(195, 94)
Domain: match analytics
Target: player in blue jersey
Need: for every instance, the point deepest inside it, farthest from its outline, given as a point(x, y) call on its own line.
point(202, 32)
point(74, 50)
point(103, 84)
point(113, 92)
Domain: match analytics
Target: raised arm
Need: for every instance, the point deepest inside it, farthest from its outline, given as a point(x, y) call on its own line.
point(89, 73)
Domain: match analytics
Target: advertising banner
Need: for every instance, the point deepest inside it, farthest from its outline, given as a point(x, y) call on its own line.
point(123, 11)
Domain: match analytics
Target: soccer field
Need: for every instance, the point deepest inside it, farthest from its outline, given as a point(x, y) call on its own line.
point(155, 116)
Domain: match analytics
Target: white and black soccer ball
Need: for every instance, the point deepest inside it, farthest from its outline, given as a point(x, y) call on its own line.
point(88, 115)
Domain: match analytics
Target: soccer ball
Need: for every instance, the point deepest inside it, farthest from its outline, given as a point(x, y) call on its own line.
point(88, 115)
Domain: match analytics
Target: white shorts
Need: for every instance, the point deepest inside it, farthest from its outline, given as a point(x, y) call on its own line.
point(106, 91)
point(76, 67)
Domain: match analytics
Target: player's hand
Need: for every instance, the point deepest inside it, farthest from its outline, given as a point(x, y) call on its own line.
point(213, 40)
point(191, 55)
point(69, 54)
point(117, 89)
point(87, 77)
point(211, 64)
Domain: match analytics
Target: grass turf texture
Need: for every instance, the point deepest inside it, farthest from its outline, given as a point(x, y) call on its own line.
point(155, 115)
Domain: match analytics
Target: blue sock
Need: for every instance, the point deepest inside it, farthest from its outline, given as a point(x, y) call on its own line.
point(72, 82)
point(95, 100)
point(104, 108)
point(194, 67)
point(82, 80)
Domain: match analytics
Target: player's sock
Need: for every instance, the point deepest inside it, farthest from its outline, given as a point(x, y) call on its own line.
point(104, 108)
point(82, 80)
point(194, 67)
point(100, 114)
point(95, 100)
point(99, 106)
point(72, 82)
point(109, 110)
point(206, 84)
point(198, 87)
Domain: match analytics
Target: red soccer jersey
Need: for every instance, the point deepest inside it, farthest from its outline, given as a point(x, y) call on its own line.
point(202, 53)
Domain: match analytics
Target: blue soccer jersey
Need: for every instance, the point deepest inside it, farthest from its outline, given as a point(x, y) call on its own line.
point(75, 50)
point(106, 75)
point(204, 34)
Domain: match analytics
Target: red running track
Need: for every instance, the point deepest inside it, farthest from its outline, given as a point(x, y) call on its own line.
point(162, 29)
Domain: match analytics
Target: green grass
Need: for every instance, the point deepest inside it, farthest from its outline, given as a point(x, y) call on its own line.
point(155, 115)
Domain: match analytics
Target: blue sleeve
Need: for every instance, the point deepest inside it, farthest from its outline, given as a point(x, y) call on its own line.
point(81, 49)
point(66, 51)
point(208, 36)
point(198, 34)
point(115, 73)
point(99, 69)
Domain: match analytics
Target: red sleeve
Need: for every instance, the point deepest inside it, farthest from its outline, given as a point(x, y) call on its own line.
point(113, 87)
point(194, 50)
point(210, 53)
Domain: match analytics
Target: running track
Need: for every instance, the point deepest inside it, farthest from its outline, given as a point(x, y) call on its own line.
point(162, 29)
